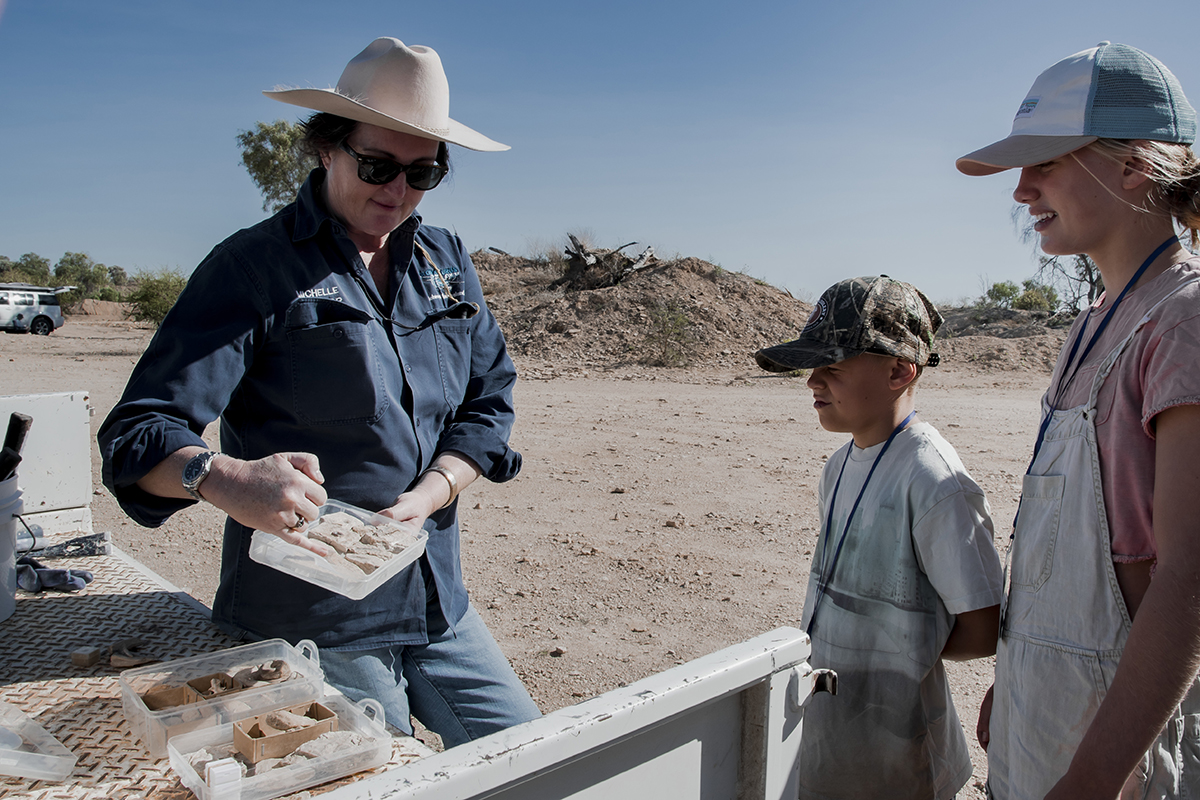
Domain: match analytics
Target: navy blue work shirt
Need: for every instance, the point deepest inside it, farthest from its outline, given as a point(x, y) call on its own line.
point(282, 334)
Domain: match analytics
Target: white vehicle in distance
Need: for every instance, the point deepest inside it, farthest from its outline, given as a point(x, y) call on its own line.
point(25, 308)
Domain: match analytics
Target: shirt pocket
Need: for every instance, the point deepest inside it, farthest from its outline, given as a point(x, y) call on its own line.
point(453, 338)
point(1036, 534)
point(337, 376)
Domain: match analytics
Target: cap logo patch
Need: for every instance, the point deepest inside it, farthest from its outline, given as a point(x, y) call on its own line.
point(819, 312)
point(1027, 108)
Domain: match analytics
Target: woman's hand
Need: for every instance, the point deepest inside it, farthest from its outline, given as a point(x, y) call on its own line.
point(278, 494)
point(432, 490)
point(983, 727)
point(412, 507)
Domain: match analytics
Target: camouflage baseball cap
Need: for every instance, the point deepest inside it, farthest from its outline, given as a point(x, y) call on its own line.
point(861, 315)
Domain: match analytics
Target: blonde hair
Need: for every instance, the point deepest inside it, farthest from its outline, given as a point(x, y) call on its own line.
point(1175, 173)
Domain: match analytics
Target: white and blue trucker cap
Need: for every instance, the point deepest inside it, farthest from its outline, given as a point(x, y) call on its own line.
point(1112, 91)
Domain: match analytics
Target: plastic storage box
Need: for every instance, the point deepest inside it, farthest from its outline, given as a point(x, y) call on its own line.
point(164, 700)
point(223, 778)
point(28, 751)
point(345, 580)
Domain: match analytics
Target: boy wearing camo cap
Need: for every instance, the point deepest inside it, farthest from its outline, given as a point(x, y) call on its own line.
point(905, 573)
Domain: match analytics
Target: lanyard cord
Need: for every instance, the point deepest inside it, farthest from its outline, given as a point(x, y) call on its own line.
point(441, 278)
point(457, 309)
point(825, 577)
point(1072, 366)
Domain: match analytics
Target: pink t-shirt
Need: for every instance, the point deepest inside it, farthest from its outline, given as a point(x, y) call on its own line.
point(1158, 370)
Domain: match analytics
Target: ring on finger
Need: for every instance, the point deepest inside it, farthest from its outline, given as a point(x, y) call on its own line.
point(301, 523)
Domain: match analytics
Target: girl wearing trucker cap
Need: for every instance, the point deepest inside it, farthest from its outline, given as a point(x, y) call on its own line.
point(1096, 692)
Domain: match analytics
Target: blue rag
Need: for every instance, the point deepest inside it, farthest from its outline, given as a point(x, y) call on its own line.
point(34, 576)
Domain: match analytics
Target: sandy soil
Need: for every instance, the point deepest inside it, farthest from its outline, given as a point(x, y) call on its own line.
point(661, 514)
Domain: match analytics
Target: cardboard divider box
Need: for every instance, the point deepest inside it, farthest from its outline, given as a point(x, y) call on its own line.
point(255, 739)
point(197, 690)
point(165, 697)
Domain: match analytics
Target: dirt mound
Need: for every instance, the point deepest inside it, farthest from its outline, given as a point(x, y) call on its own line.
point(992, 354)
point(688, 312)
point(685, 312)
point(1003, 323)
point(1002, 339)
point(101, 309)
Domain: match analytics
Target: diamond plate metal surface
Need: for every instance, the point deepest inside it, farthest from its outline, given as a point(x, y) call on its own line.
point(81, 706)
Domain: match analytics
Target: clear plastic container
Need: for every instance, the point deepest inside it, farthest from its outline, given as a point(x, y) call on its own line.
point(346, 580)
point(223, 777)
point(28, 751)
point(161, 700)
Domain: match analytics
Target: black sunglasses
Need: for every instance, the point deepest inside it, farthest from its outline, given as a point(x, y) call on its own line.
point(378, 171)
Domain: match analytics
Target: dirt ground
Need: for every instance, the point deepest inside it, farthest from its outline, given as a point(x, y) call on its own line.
point(661, 514)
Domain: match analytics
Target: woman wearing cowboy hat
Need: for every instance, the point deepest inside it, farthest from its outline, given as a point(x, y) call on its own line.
point(1096, 692)
point(349, 354)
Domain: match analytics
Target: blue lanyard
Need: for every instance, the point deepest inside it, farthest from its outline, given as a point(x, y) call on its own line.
point(824, 578)
point(1072, 366)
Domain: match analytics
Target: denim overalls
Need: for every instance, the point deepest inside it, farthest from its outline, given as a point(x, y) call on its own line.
point(1065, 624)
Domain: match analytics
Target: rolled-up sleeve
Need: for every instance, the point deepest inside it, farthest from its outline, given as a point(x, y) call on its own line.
point(480, 427)
point(181, 384)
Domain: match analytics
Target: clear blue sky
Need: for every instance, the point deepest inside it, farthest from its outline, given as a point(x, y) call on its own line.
point(800, 142)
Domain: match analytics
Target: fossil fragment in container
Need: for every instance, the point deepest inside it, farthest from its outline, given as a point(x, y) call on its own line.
point(170, 698)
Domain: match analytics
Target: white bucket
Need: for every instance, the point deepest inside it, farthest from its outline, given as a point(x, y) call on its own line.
point(10, 507)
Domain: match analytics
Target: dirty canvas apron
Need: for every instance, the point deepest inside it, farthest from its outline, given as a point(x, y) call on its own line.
point(1065, 624)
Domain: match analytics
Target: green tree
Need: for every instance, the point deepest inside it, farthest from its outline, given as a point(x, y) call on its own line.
point(29, 268)
point(118, 276)
point(271, 156)
point(1001, 294)
point(156, 292)
point(1036, 297)
point(78, 270)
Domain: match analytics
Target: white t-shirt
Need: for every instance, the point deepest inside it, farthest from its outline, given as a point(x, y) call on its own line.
point(919, 551)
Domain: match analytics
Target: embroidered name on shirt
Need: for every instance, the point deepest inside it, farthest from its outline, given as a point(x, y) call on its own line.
point(331, 292)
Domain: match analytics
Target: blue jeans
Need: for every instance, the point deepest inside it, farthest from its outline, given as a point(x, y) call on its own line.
point(459, 685)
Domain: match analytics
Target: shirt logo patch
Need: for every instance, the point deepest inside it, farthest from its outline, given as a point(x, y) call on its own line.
point(1027, 108)
point(330, 292)
point(441, 284)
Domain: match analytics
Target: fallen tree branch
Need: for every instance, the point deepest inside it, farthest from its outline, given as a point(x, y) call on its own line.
point(589, 268)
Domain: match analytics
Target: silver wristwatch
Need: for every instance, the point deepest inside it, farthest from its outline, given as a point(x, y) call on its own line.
point(196, 470)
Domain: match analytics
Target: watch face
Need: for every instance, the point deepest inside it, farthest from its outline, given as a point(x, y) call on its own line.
point(195, 468)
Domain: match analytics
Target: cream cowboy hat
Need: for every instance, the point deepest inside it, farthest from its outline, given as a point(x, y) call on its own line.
point(396, 87)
